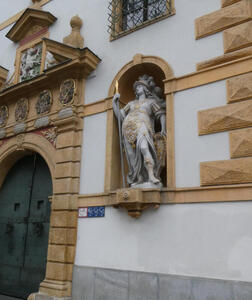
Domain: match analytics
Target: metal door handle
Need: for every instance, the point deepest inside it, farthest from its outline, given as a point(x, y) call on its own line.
point(38, 228)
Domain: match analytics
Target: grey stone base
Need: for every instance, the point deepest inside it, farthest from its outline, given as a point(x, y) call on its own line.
point(39, 296)
point(105, 284)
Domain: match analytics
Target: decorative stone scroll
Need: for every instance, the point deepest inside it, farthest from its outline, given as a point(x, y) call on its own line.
point(44, 102)
point(239, 88)
point(67, 91)
point(232, 116)
point(21, 110)
point(3, 115)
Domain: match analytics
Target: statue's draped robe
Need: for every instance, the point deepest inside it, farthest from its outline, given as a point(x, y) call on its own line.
point(138, 124)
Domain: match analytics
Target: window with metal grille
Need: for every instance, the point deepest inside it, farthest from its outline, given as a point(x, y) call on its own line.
point(125, 15)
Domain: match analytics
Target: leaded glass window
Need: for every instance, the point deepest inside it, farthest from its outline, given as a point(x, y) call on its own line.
point(126, 15)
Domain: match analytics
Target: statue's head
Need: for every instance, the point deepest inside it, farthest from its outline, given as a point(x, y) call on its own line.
point(145, 85)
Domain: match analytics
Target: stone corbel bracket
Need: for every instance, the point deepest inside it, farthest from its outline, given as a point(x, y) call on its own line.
point(137, 200)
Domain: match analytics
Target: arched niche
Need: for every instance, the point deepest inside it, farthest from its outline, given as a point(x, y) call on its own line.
point(128, 74)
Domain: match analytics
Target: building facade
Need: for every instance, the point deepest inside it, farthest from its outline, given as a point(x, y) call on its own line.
point(69, 227)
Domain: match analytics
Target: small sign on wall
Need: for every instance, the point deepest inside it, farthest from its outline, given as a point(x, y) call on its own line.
point(92, 212)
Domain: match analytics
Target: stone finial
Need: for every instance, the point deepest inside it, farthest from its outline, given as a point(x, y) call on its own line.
point(75, 39)
point(36, 4)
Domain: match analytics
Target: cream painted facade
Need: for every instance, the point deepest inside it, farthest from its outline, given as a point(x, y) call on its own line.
point(197, 244)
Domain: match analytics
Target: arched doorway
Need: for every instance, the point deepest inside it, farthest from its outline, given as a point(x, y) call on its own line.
point(24, 226)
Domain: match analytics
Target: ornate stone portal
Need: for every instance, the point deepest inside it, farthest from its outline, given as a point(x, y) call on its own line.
point(31, 120)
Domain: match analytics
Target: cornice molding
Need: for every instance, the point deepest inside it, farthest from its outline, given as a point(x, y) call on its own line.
point(28, 19)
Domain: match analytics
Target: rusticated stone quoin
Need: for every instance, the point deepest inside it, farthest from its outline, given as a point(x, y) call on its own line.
point(233, 116)
point(240, 143)
point(224, 18)
point(238, 37)
point(226, 171)
point(239, 88)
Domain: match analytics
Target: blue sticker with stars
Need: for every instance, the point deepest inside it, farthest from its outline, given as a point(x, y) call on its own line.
point(96, 212)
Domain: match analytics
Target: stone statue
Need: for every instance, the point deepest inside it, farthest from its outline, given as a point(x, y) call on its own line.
point(143, 123)
point(50, 60)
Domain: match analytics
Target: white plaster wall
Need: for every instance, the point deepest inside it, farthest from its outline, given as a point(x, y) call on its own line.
point(93, 154)
point(190, 148)
point(10, 8)
point(8, 48)
point(208, 240)
point(172, 39)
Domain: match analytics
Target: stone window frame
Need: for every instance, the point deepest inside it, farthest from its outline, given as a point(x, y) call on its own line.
point(116, 11)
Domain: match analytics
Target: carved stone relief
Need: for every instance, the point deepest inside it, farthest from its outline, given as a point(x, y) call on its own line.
point(21, 110)
point(49, 133)
point(20, 140)
point(232, 116)
point(3, 115)
point(67, 91)
point(239, 88)
point(44, 102)
point(238, 37)
point(31, 62)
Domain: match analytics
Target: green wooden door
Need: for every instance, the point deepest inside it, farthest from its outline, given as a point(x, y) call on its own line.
point(24, 226)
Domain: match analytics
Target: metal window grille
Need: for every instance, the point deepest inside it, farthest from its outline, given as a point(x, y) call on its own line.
point(125, 15)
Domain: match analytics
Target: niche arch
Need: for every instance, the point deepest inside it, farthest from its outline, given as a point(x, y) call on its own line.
point(127, 75)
